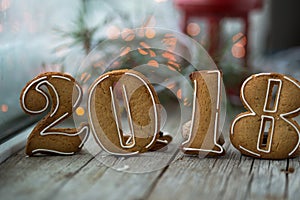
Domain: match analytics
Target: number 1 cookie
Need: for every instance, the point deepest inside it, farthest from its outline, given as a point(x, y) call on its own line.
point(204, 137)
point(63, 97)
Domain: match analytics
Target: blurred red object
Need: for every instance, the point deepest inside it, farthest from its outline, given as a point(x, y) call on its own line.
point(214, 11)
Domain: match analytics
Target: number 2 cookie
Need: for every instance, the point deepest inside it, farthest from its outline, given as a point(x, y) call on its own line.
point(267, 130)
point(62, 94)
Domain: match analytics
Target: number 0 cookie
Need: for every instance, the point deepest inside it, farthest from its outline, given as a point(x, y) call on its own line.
point(62, 95)
point(130, 93)
point(267, 129)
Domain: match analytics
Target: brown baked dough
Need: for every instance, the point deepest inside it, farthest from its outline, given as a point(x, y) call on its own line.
point(63, 97)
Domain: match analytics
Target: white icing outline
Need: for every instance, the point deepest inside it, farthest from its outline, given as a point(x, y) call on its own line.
point(163, 141)
point(127, 107)
point(43, 132)
point(52, 151)
point(91, 121)
point(77, 102)
point(116, 118)
point(282, 116)
point(277, 95)
point(154, 108)
point(216, 124)
point(261, 132)
point(117, 122)
point(86, 128)
point(245, 149)
point(38, 90)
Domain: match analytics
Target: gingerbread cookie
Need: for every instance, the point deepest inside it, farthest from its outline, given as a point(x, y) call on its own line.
point(267, 130)
point(140, 105)
point(35, 100)
point(203, 137)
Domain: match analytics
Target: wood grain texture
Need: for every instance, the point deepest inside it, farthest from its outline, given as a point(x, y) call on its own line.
point(83, 176)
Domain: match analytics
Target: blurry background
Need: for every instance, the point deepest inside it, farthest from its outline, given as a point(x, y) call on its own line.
point(38, 36)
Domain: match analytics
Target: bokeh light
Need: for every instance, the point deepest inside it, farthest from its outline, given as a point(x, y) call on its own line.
point(150, 33)
point(4, 108)
point(128, 34)
point(238, 50)
point(179, 93)
point(113, 32)
point(80, 111)
point(240, 38)
point(153, 63)
point(193, 29)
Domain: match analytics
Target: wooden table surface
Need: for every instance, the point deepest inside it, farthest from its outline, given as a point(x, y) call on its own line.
point(82, 176)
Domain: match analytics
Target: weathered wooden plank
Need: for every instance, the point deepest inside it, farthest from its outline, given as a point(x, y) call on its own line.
point(230, 177)
point(189, 178)
point(97, 183)
point(92, 182)
point(84, 177)
point(268, 181)
point(237, 186)
point(293, 175)
point(38, 177)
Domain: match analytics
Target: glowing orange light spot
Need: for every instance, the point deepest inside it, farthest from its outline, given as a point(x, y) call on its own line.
point(152, 53)
point(115, 64)
point(170, 42)
point(80, 111)
point(153, 63)
point(179, 94)
point(128, 34)
point(150, 33)
point(83, 75)
point(5, 4)
point(171, 85)
point(87, 78)
point(98, 64)
point(4, 108)
point(125, 51)
point(174, 64)
point(145, 45)
point(113, 32)
point(169, 35)
point(193, 29)
point(142, 52)
point(169, 56)
point(239, 38)
point(171, 68)
point(238, 50)
point(186, 102)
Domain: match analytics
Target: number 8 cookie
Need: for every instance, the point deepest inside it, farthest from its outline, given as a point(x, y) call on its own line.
point(34, 100)
point(267, 130)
